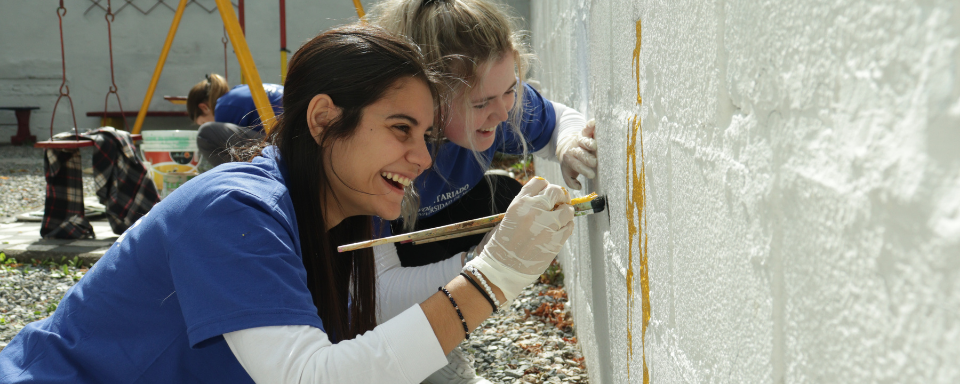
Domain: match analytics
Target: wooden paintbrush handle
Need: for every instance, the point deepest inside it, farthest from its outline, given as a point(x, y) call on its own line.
point(455, 235)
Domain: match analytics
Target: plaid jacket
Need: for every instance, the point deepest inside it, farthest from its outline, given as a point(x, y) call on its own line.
point(63, 207)
point(119, 177)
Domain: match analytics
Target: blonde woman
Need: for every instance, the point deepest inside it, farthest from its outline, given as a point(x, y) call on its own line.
point(493, 110)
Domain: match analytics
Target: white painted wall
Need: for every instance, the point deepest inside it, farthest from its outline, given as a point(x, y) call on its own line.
point(802, 187)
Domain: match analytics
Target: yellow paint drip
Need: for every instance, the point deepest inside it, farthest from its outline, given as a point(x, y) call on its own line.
point(636, 63)
point(636, 208)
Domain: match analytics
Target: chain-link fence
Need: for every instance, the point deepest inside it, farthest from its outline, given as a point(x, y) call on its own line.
point(147, 6)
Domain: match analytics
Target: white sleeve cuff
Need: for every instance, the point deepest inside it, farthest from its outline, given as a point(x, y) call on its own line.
point(569, 122)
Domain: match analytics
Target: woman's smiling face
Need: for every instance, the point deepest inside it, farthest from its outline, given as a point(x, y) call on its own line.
point(478, 112)
point(369, 170)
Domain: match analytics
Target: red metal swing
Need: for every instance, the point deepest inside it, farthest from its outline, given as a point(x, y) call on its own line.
point(78, 141)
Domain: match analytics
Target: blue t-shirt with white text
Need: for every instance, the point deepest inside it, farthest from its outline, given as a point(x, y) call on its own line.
point(220, 254)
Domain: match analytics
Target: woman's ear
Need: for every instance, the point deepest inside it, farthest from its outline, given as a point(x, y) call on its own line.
point(204, 108)
point(320, 113)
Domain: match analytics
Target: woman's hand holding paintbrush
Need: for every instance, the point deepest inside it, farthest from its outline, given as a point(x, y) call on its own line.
point(532, 232)
point(586, 205)
point(582, 206)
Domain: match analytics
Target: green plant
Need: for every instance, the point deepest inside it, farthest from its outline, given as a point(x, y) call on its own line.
point(553, 275)
point(7, 260)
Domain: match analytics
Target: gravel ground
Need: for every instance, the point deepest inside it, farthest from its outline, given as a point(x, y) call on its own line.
point(22, 186)
point(29, 293)
point(530, 342)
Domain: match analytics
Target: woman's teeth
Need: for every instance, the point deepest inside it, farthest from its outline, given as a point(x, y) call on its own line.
point(397, 178)
point(491, 129)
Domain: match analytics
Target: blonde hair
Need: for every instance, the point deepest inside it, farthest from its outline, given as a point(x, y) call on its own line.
point(207, 91)
point(461, 38)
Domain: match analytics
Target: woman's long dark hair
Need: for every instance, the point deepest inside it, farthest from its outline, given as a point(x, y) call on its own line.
point(355, 65)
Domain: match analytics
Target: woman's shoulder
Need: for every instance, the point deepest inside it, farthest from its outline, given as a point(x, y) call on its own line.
point(259, 182)
point(229, 194)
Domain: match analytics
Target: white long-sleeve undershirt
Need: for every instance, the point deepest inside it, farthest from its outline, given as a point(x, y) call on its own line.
point(400, 287)
point(304, 354)
point(401, 350)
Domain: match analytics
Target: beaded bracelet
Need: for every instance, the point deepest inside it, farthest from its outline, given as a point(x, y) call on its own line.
point(466, 332)
point(474, 271)
point(477, 286)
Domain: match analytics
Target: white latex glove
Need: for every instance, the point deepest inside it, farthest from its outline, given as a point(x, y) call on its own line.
point(528, 238)
point(486, 239)
point(476, 250)
point(577, 154)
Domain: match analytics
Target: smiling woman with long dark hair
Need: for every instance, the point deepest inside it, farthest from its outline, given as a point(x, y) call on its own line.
point(235, 277)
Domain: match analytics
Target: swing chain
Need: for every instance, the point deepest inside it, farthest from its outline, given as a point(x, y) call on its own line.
point(109, 17)
point(224, 41)
point(64, 88)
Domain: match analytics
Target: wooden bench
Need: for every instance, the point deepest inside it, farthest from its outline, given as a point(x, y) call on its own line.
point(70, 144)
point(116, 119)
point(23, 125)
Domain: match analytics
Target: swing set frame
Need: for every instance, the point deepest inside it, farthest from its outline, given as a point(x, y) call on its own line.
point(234, 31)
point(247, 66)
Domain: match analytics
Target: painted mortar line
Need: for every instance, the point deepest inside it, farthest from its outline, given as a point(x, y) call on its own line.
point(636, 202)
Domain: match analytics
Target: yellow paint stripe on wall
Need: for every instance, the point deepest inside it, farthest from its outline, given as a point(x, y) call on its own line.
point(636, 209)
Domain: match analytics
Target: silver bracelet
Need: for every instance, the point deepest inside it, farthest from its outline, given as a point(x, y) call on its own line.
point(472, 253)
point(486, 287)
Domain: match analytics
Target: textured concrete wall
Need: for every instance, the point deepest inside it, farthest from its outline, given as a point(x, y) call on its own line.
point(787, 209)
point(30, 70)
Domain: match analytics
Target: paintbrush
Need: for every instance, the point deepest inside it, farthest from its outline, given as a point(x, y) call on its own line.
point(587, 205)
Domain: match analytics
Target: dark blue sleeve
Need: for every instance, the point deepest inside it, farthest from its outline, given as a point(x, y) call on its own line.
point(275, 94)
point(237, 106)
point(537, 122)
point(240, 268)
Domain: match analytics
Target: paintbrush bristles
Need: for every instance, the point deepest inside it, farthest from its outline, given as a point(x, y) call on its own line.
point(581, 200)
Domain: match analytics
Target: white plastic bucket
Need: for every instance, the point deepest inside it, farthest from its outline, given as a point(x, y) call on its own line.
point(171, 156)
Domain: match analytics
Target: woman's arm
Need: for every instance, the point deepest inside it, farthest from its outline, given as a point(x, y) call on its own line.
point(569, 122)
point(526, 241)
point(402, 350)
point(574, 145)
point(400, 287)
